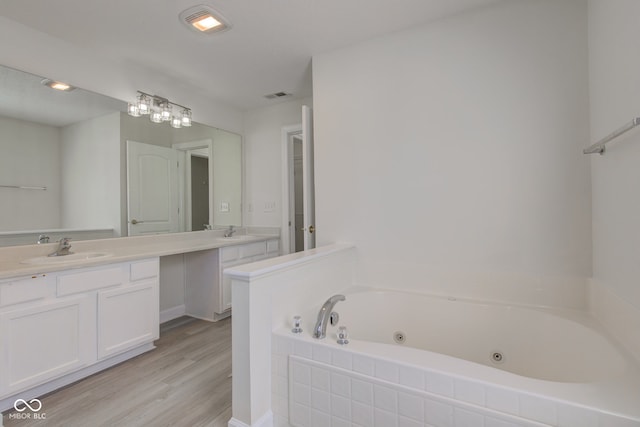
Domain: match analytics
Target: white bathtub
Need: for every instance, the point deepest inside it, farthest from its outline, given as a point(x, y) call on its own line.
point(556, 367)
point(542, 344)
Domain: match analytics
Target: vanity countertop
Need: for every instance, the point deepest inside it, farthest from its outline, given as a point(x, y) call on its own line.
point(121, 249)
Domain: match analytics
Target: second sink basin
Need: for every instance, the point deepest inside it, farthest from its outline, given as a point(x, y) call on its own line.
point(241, 237)
point(78, 256)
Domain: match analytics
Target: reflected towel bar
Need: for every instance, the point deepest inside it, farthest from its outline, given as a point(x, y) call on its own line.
point(600, 146)
point(23, 187)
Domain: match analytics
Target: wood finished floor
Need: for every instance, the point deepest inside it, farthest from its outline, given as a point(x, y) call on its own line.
point(185, 381)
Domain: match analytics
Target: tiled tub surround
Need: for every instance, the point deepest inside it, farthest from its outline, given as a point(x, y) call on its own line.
point(320, 383)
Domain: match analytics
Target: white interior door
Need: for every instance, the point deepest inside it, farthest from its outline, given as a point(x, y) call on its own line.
point(307, 179)
point(153, 204)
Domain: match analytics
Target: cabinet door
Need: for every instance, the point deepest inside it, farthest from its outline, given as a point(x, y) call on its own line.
point(45, 341)
point(225, 289)
point(127, 317)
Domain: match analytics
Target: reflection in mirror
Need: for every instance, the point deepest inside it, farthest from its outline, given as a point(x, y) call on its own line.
point(63, 169)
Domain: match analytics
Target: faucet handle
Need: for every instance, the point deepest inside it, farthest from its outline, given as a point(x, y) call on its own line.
point(296, 325)
point(343, 335)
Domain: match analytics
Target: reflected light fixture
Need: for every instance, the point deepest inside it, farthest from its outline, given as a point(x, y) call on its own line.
point(204, 19)
point(186, 117)
point(159, 110)
point(63, 87)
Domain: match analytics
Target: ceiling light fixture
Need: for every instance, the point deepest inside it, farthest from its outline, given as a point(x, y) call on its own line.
point(63, 87)
point(204, 19)
point(159, 110)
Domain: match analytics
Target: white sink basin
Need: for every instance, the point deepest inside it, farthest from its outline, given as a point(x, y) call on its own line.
point(78, 256)
point(241, 237)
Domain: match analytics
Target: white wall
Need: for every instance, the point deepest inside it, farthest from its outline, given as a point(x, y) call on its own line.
point(34, 161)
point(91, 173)
point(227, 178)
point(263, 160)
point(450, 154)
point(615, 99)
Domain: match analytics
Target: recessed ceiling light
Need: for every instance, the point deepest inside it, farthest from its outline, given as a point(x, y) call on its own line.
point(57, 85)
point(204, 19)
point(206, 23)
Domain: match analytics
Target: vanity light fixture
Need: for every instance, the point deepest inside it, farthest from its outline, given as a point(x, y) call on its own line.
point(159, 110)
point(63, 87)
point(204, 19)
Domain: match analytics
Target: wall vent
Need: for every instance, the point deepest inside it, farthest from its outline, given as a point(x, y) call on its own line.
point(278, 95)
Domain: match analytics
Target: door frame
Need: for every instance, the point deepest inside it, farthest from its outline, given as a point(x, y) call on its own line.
point(190, 149)
point(287, 133)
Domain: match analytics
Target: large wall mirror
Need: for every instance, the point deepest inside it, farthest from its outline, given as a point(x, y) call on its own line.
point(65, 161)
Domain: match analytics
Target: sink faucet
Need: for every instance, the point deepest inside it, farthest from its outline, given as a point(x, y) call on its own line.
point(229, 232)
point(43, 238)
point(320, 330)
point(63, 247)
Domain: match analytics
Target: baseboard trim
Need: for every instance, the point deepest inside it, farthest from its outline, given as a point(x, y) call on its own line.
point(265, 421)
point(172, 313)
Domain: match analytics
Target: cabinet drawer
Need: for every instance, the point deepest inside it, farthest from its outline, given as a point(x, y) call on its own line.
point(253, 249)
point(144, 269)
point(28, 289)
point(89, 280)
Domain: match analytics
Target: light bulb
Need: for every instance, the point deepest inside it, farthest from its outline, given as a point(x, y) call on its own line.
point(186, 117)
point(144, 104)
point(166, 112)
point(155, 116)
point(133, 109)
point(176, 122)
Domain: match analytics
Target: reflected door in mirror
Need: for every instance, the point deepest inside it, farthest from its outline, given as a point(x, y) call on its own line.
point(152, 189)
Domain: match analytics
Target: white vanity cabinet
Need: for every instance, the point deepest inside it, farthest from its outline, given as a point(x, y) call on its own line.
point(42, 338)
point(207, 291)
point(129, 315)
point(237, 255)
point(54, 324)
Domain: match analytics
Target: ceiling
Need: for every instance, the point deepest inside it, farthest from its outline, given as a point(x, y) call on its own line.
point(268, 49)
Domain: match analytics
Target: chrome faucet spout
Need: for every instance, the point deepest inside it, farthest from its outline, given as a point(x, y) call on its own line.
point(64, 247)
point(229, 231)
point(324, 315)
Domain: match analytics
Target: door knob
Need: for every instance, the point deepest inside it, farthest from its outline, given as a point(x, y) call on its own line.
point(135, 221)
point(311, 229)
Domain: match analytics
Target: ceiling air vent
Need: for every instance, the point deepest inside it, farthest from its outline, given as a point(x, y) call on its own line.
point(277, 95)
point(204, 19)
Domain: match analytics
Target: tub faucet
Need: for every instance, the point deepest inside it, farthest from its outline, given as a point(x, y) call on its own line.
point(63, 247)
point(324, 315)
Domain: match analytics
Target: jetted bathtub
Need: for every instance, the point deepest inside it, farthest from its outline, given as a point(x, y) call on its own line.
point(542, 344)
point(530, 366)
